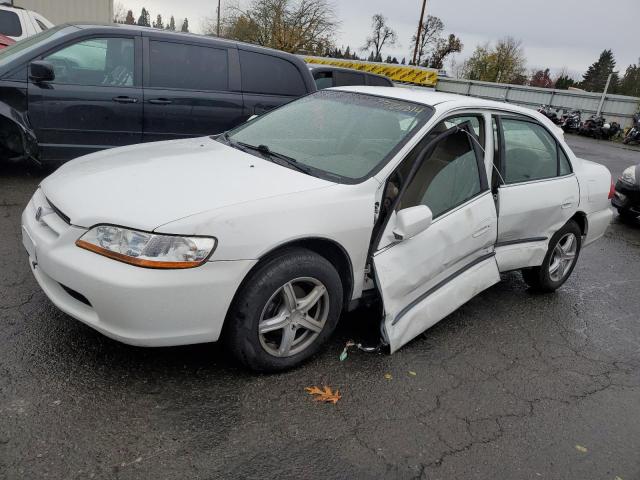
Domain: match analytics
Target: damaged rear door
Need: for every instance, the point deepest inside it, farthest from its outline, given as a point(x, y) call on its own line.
point(437, 249)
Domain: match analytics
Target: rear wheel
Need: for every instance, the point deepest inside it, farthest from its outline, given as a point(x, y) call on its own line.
point(285, 311)
point(561, 258)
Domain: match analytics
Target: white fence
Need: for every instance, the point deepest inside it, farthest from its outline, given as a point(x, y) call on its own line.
point(616, 108)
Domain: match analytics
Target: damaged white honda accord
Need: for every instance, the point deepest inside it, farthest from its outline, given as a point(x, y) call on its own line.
point(263, 236)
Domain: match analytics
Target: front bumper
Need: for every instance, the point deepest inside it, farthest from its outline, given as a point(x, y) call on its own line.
point(134, 305)
point(627, 197)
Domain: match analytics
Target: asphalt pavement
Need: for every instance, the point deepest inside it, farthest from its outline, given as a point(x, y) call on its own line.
point(513, 385)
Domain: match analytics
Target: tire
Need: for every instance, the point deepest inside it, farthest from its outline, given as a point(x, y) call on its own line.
point(271, 300)
point(626, 140)
point(555, 270)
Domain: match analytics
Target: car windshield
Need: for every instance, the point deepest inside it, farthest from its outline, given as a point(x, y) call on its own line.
point(12, 51)
point(339, 134)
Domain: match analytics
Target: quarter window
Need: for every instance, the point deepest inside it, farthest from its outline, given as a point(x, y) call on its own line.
point(270, 75)
point(10, 24)
point(187, 67)
point(447, 178)
point(530, 152)
point(99, 61)
point(377, 81)
point(348, 78)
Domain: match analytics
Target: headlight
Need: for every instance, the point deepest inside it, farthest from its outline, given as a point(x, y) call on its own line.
point(147, 249)
point(629, 176)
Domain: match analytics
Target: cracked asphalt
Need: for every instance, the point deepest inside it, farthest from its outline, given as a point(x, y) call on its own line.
point(513, 385)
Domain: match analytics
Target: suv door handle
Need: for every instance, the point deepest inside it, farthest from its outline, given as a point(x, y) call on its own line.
point(481, 231)
point(160, 101)
point(124, 99)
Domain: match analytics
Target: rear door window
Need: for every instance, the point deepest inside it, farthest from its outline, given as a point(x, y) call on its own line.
point(349, 78)
point(187, 67)
point(10, 24)
point(270, 75)
point(323, 79)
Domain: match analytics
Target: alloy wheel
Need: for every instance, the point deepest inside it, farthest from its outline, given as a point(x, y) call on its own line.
point(563, 257)
point(293, 317)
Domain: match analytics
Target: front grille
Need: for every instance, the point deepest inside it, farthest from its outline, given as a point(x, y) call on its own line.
point(77, 295)
point(64, 217)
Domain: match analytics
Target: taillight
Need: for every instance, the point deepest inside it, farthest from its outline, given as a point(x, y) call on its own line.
point(612, 190)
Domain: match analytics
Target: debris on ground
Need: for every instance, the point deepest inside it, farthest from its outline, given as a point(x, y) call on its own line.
point(324, 395)
point(359, 346)
point(582, 449)
point(388, 376)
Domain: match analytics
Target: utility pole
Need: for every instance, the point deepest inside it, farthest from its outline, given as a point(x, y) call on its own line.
point(218, 27)
point(604, 95)
point(415, 50)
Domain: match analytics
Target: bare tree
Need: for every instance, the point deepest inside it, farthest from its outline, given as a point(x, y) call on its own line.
point(444, 48)
point(289, 25)
point(119, 13)
point(381, 35)
point(430, 31)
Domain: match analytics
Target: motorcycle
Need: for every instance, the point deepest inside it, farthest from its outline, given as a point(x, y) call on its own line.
point(570, 122)
point(549, 113)
point(633, 135)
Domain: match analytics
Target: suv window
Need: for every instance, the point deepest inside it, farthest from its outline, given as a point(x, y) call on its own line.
point(377, 81)
point(530, 152)
point(10, 24)
point(323, 79)
point(187, 67)
point(348, 78)
point(270, 75)
point(447, 178)
point(98, 61)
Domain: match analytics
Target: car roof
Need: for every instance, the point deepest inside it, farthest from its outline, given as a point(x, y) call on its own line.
point(445, 101)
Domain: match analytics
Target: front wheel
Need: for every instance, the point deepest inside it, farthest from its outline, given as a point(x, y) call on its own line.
point(561, 258)
point(285, 311)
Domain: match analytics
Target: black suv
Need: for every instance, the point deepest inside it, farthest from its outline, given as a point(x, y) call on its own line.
point(79, 88)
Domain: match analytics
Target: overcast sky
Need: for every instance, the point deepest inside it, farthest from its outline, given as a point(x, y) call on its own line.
point(555, 33)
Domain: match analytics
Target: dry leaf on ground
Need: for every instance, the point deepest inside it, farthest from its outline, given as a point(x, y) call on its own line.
point(324, 395)
point(580, 448)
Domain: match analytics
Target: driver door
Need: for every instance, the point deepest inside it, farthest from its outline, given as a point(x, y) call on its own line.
point(425, 277)
point(95, 100)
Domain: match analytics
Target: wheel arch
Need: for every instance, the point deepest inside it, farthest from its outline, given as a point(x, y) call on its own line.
point(581, 219)
point(331, 250)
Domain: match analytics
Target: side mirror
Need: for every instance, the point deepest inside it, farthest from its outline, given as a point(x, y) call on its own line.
point(41, 71)
point(412, 221)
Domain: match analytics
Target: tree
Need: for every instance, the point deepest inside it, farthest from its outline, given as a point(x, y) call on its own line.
point(404, 61)
point(158, 23)
point(430, 32)
point(145, 19)
point(185, 26)
point(542, 79)
point(130, 20)
point(630, 83)
point(443, 49)
point(171, 26)
point(289, 25)
point(381, 35)
point(595, 78)
point(119, 13)
point(564, 82)
point(504, 62)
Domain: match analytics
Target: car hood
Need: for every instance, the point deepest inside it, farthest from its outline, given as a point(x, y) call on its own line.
point(146, 186)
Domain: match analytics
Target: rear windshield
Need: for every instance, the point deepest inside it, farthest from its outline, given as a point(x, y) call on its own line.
point(23, 46)
point(344, 135)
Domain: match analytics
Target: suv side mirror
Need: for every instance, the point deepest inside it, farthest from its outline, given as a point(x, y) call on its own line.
point(41, 71)
point(412, 221)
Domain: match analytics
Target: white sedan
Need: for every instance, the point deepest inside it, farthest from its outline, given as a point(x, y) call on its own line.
point(263, 236)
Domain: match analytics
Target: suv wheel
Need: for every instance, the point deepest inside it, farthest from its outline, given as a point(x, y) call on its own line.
point(285, 311)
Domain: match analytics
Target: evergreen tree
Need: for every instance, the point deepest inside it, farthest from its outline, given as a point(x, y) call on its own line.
point(347, 52)
point(185, 26)
point(404, 61)
point(130, 20)
point(371, 57)
point(172, 24)
point(158, 23)
point(563, 82)
point(595, 78)
point(630, 83)
point(145, 19)
point(388, 59)
point(394, 60)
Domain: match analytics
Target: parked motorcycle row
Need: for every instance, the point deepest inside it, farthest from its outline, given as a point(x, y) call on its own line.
point(596, 126)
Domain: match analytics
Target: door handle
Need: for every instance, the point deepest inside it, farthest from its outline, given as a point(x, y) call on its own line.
point(160, 101)
point(481, 231)
point(123, 99)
